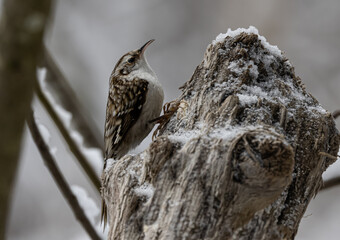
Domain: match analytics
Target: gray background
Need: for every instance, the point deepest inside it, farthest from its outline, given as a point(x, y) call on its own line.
point(87, 37)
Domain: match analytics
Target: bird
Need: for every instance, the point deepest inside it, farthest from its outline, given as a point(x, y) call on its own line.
point(135, 98)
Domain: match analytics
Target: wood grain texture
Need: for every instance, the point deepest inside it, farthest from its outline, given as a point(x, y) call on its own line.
point(239, 159)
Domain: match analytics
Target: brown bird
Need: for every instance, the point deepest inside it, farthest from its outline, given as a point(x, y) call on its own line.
point(135, 98)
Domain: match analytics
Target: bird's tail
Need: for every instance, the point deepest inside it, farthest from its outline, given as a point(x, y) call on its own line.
point(104, 214)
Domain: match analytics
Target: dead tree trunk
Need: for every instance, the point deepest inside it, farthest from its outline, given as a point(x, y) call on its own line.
point(240, 159)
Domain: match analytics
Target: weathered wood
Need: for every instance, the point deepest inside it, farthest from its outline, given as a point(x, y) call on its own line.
point(239, 160)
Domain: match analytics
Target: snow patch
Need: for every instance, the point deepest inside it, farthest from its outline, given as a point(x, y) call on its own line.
point(225, 133)
point(94, 155)
point(143, 155)
point(88, 205)
point(231, 132)
point(235, 67)
point(230, 33)
point(53, 150)
point(145, 190)
point(63, 114)
point(41, 74)
point(184, 136)
point(90, 209)
point(44, 132)
point(319, 109)
point(134, 171)
point(109, 163)
point(46, 135)
point(246, 99)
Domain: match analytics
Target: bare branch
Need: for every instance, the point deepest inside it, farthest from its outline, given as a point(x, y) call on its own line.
point(66, 97)
point(336, 114)
point(70, 142)
point(334, 158)
point(21, 29)
point(331, 183)
point(59, 178)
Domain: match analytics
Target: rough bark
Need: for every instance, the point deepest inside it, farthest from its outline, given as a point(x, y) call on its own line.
point(21, 28)
point(238, 160)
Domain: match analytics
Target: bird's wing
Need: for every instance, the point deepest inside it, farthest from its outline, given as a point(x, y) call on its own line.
point(124, 105)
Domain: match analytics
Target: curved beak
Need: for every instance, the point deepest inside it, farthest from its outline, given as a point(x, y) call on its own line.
point(143, 48)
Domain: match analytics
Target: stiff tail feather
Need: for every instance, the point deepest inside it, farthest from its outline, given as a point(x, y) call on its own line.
point(104, 214)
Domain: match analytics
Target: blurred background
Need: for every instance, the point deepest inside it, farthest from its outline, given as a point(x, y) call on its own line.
point(87, 37)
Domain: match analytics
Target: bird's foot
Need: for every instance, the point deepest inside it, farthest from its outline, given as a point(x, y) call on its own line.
point(169, 109)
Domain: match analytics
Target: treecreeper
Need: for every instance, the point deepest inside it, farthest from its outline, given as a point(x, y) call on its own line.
point(135, 99)
point(241, 158)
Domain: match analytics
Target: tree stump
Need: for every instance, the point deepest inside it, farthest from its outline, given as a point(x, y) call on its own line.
point(240, 159)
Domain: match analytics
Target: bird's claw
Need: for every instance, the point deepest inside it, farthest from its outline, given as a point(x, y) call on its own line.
point(169, 109)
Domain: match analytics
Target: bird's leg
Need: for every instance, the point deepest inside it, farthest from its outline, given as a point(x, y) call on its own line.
point(169, 109)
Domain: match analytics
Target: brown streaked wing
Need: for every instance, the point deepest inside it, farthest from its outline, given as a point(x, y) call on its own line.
point(125, 103)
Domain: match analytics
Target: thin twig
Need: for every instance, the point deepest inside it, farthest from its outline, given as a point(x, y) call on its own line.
point(336, 114)
point(331, 183)
point(70, 142)
point(334, 181)
point(66, 97)
point(59, 178)
point(328, 155)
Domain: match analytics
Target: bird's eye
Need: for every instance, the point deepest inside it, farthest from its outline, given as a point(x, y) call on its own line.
point(131, 59)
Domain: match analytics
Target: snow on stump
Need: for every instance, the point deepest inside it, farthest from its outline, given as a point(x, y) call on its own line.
point(239, 160)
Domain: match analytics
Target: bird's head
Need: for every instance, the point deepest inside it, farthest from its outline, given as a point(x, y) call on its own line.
point(133, 61)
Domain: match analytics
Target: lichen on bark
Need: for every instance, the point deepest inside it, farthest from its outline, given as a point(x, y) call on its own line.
point(240, 158)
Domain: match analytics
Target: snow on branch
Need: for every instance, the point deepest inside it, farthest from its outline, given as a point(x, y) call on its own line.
point(59, 87)
point(90, 158)
point(40, 141)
